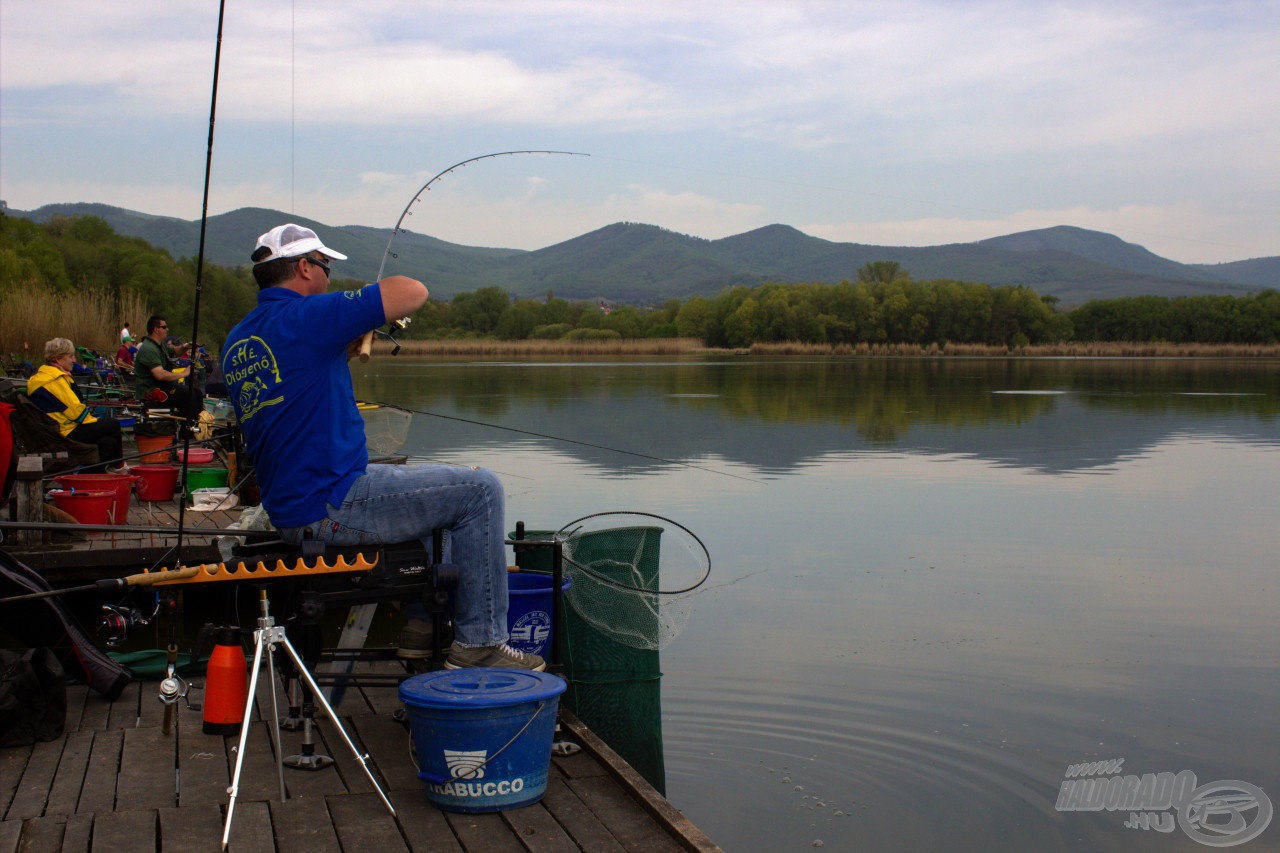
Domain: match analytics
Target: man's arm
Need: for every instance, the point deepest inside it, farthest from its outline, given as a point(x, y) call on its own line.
point(401, 296)
point(165, 375)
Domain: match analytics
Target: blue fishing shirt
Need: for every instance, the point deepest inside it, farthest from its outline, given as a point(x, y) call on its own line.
point(285, 367)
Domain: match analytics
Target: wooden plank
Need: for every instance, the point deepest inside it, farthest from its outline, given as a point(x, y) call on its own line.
point(13, 761)
point(584, 765)
point(191, 829)
point(29, 497)
point(383, 700)
point(487, 832)
point(43, 834)
point(203, 771)
point(251, 829)
point(423, 825)
point(33, 790)
point(79, 834)
point(134, 831)
point(537, 829)
point(304, 826)
point(349, 769)
point(93, 716)
point(98, 794)
point(578, 820)
point(362, 823)
point(671, 819)
point(147, 776)
point(624, 817)
point(150, 708)
point(259, 778)
point(10, 832)
point(64, 793)
point(124, 711)
point(311, 783)
point(388, 744)
point(76, 695)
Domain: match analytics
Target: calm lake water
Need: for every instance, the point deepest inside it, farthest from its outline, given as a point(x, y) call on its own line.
point(940, 584)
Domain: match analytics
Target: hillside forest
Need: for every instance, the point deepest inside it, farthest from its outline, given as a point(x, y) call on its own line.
point(77, 278)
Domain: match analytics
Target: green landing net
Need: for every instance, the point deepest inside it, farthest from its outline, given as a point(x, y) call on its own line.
point(633, 575)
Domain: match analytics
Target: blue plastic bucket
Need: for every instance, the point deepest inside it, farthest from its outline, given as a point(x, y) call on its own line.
point(529, 611)
point(483, 736)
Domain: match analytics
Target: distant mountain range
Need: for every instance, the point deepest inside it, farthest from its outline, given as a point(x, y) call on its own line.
point(630, 262)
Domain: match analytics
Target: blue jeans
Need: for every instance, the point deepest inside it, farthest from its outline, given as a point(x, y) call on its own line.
point(397, 503)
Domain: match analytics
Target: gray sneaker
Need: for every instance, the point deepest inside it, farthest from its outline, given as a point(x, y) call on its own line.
point(415, 640)
point(461, 657)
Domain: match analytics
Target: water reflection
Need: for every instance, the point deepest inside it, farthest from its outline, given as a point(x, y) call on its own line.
point(779, 416)
point(941, 595)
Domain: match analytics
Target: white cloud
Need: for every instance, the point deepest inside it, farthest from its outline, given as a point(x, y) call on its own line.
point(1154, 116)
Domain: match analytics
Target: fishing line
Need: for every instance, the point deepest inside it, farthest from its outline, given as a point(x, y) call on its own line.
point(571, 441)
point(427, 186)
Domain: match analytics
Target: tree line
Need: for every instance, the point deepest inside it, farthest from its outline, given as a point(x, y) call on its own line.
point(881, 304)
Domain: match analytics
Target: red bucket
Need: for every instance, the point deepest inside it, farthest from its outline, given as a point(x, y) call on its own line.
point(118, 484)
point(87, 507)
point(156, 482)
point(155, 448)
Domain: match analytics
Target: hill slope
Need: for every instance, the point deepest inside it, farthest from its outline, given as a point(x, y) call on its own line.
point(631, 262)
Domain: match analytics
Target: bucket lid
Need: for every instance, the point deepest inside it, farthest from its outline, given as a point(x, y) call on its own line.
point(479, 687)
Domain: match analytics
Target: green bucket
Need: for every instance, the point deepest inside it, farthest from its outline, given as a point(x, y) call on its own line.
point(204, 478)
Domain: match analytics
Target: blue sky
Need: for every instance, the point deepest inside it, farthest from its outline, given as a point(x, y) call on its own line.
point(904, 123)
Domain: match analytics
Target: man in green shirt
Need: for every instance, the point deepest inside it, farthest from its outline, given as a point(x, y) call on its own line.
point(155, 381)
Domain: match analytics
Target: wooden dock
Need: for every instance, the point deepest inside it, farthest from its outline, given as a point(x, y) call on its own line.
point(64, 559)
point(114, 781)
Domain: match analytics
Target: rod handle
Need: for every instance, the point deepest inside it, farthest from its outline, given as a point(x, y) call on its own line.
point(149, 578)
point(366, 347)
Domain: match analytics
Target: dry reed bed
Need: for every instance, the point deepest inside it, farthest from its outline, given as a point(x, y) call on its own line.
point(29, 317)
point(483, 347)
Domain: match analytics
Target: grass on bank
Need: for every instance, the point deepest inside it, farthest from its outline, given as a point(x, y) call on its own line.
point(692, 346)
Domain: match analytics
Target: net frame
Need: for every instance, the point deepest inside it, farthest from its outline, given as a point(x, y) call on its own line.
point(566, 540)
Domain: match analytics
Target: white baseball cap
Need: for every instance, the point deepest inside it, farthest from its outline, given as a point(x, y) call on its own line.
point(292, 241)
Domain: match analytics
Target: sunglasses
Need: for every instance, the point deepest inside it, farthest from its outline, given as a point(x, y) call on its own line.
point(316, 263)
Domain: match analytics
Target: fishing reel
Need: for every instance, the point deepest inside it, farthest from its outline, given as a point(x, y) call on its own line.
point(117, 620)
point(173, 688)
point(393, 327)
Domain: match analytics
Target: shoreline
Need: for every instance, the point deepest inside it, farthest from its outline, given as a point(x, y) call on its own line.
point(692, 347)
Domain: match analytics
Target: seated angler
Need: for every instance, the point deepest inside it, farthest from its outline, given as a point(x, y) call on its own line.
point(285, 367)
point(52, 390)
point(156, 381)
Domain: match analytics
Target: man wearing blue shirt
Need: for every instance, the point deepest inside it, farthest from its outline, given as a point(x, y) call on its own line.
point(285, 367)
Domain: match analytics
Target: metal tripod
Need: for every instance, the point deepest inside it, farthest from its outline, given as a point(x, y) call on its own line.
point(265, 639)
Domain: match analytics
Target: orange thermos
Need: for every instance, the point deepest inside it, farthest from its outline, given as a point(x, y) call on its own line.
point(226, 684)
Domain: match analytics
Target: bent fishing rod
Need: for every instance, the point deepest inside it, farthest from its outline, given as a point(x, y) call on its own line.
point(366, 343)
point(564, 440)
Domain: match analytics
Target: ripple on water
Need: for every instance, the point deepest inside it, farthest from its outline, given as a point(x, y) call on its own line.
point(851, 773)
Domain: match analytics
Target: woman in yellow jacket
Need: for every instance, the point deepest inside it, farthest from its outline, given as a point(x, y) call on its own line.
point(53, 392)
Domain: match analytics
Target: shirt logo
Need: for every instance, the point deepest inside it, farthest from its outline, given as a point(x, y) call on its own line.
point(253, 375)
